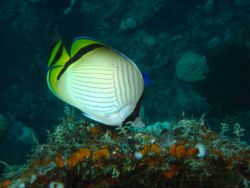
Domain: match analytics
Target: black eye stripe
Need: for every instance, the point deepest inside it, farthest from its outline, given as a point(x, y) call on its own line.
point(78, 55)
point(58, 55)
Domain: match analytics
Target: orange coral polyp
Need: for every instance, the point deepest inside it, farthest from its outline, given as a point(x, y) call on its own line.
point(6, 184)
point(181, 151)
point(101, 154)
point(156, 149)
point(192, 151)
point(78, 156)
point(72, 160)
point(145, 150)
point(83, 153)
point(95, 130)
point(172, 150)
point(59, 161)
point(171, 172)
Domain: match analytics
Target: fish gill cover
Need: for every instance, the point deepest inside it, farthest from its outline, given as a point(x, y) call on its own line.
point(194, 123)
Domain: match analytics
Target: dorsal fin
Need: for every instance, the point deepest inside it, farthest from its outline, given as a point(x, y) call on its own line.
point(80, 43)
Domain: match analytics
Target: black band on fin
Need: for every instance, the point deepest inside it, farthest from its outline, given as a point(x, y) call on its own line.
point(78, 55)
point(58, 54)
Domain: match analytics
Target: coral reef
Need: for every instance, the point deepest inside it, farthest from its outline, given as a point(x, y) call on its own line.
point(81, 154)
point(135, 28)
point(191, 67)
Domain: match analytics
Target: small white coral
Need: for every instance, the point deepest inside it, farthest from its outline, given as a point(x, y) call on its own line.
point(201, 150)
point(56, 184)
point(238, 131)
point(138, 155)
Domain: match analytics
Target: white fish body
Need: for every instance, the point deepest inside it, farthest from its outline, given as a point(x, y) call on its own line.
point(104, 84)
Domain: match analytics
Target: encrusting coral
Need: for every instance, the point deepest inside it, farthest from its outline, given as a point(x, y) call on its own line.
point(80, 154)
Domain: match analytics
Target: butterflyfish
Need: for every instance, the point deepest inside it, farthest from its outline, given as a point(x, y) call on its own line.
point(101, 82)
